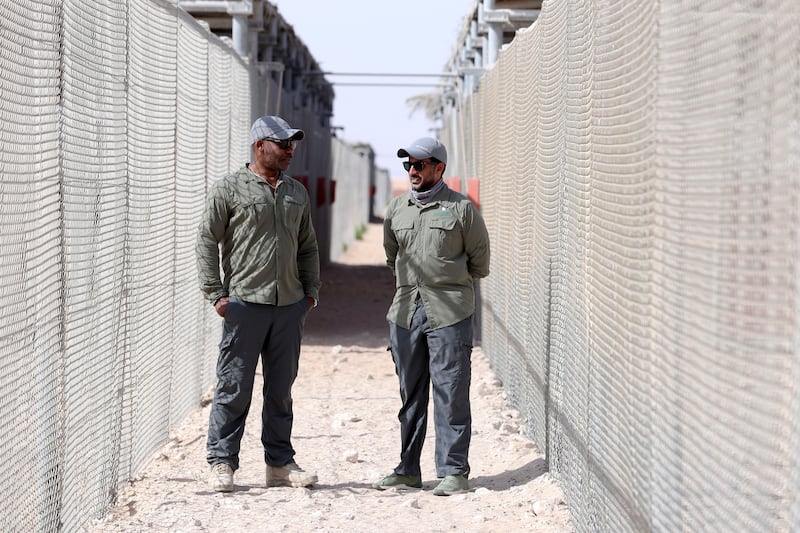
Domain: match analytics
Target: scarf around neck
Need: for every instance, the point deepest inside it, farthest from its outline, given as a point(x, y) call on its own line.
point(424, 197)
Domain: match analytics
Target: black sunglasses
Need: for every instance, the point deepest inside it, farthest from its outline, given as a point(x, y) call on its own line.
point(418, 165)
point(283, 144)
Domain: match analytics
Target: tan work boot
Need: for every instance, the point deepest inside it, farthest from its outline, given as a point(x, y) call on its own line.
point(221, 479)
point(289, 475)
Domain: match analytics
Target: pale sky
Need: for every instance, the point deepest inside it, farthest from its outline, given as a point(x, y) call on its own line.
point(412, 36)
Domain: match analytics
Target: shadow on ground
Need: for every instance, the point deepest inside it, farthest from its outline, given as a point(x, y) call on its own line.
point(353, 304)
point(511, 478)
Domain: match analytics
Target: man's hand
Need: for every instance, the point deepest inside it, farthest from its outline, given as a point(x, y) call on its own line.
point(310, 302)
point(222, 305)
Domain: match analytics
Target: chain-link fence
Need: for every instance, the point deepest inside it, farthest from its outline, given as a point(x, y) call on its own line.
point(116, 116)
point(639, 172)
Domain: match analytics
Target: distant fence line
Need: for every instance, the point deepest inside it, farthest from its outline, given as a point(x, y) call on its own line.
point(639, 173)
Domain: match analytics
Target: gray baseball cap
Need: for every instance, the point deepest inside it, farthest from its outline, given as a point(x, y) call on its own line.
point(423, 148)
point(274, 128)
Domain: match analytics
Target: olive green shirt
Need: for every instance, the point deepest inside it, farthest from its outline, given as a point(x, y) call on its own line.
point(435, 251)
point(266, 240)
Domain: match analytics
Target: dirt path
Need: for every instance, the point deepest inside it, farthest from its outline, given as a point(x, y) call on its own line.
point(346, 401)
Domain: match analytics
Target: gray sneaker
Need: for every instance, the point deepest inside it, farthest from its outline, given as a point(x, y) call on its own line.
point(221, 479)
point(398, 481)
point(450, 485)
point(289, 475)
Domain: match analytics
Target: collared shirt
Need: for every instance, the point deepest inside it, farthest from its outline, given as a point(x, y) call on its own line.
point(435, 251)
point(266, 239)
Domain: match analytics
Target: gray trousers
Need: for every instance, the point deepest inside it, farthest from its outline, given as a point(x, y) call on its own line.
point(442, 357)
point(251, 331)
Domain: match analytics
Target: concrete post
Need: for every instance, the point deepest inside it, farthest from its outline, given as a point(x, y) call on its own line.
point(240, 35)
point(495, 37)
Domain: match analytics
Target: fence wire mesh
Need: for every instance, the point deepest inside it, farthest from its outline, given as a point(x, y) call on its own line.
point(107, 148)
point(116, 118)
point(639, 176)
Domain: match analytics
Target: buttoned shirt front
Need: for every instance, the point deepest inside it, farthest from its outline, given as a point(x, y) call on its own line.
point(264, 238)
point(435, 251)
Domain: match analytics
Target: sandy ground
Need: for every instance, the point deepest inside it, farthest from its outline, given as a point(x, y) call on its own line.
point(346, 400)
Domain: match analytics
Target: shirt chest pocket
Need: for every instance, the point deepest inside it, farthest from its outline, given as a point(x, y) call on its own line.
point(445, 237)
point(403, 230)
point(293, 211)
point(253, 210)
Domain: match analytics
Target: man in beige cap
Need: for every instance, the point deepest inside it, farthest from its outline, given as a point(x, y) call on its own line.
point(437, 245)
point(260, 219)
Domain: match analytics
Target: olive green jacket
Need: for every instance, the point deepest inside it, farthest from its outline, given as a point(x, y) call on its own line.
point(435, 251)
point(266, 239)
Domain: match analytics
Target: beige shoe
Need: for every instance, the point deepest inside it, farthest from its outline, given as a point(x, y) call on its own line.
point(221, 479)
point(289, 475)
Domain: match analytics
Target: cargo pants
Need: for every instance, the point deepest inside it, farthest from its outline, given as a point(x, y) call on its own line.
point(442, 357)
point(252, 331)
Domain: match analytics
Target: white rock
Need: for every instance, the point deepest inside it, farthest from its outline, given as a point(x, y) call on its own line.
point(342, 419)
point(336, 349)
point(413, 503)
point(351, 456)
point(482, 491)
point(509, 427)
point(542, 507)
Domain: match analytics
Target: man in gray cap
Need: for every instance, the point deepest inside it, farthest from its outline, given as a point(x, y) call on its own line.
point(260, 219)
point(437, 245)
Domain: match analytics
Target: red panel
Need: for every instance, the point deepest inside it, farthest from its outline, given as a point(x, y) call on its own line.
point(454, 183)
point(474, 191)
point(320, 191)
point(333, 191)
point(304, 181)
